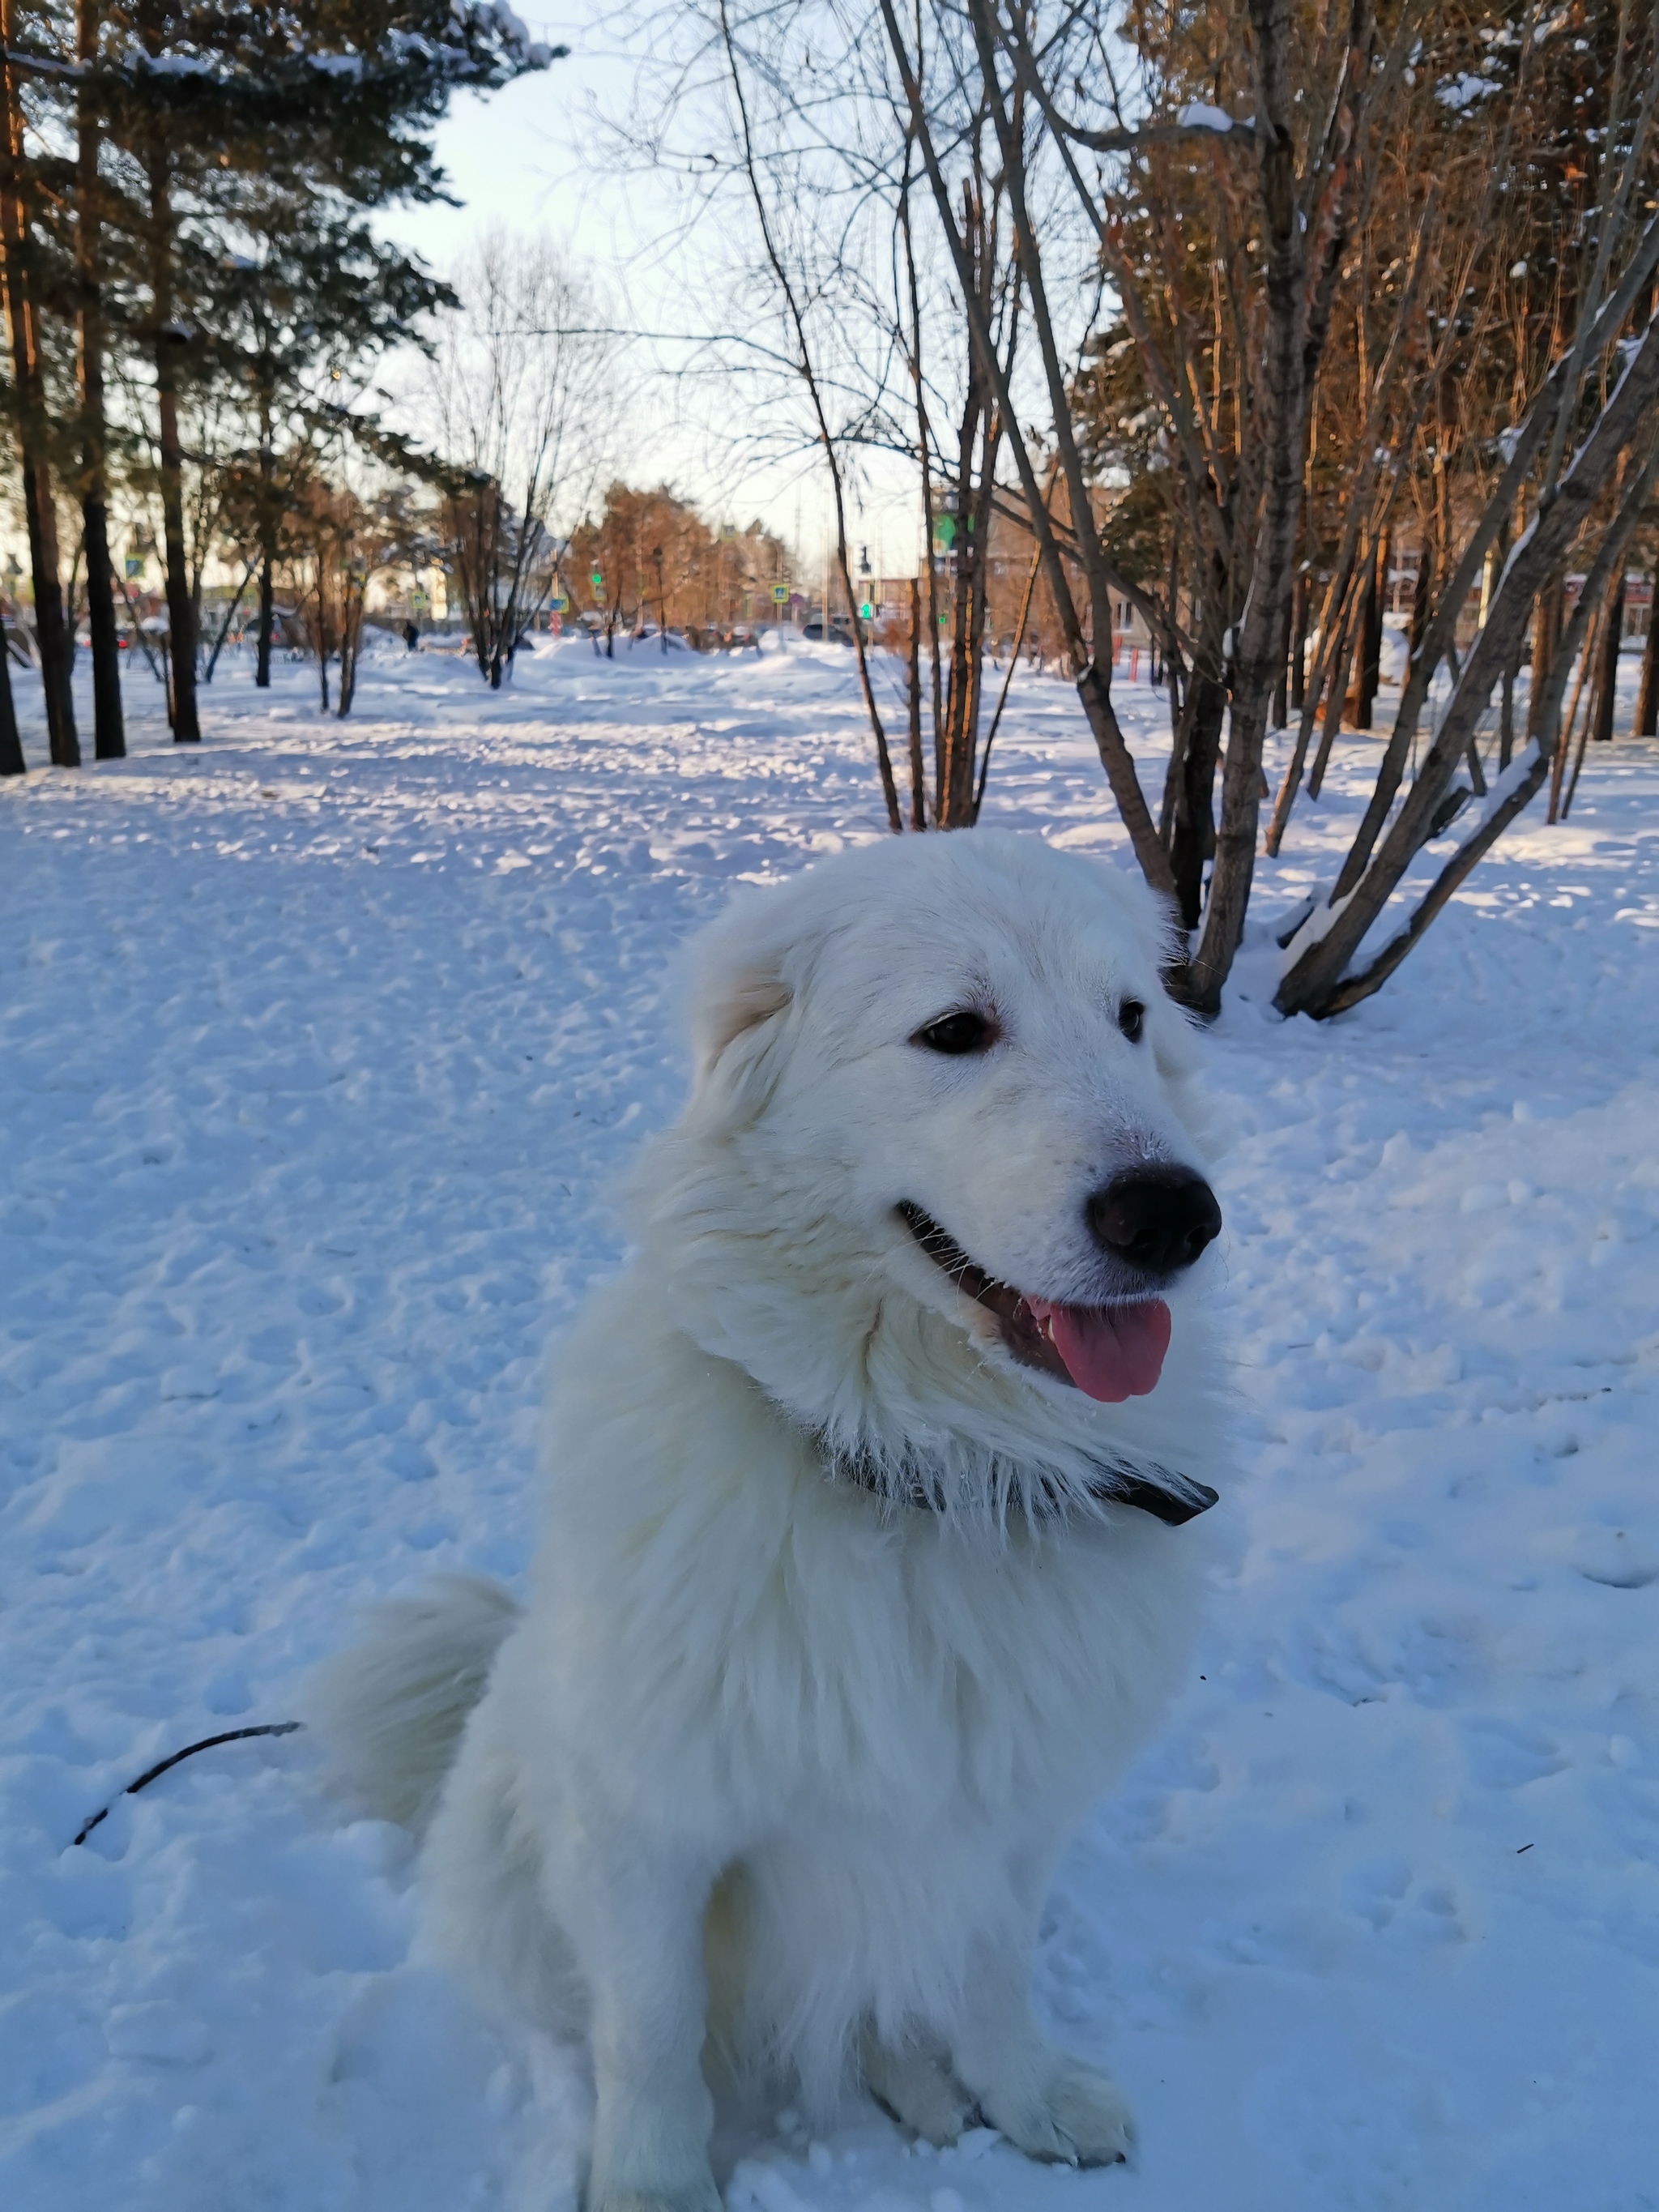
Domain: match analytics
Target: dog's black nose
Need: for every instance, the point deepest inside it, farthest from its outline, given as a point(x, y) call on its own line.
point(1157, 1219)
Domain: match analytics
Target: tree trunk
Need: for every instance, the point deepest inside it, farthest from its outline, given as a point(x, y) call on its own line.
point(918, 770)
point(1336, 695)
point(267, 521)
point(974, 701)
point(109, 721)
point(267, 623)
point(952, 800)
point(1600, 728)
point(954, 808)
point(1506, 722)
point(1647, 699)
point(1289, 353)
point(1506, 691)
point(1191, 843)
point(1281, 712)
point(322, 630)
point(53, 634)
point(1299, 641)
point(224, 628)
point(1187, 822)
point(1546, 636)
point(1370, 637)
point(352, 630)
point(181, 621)
point(109, 729)
point(978, 439)
point(11, 745)
point(181, 611)
point(1422, 600)
point(1007, 679)
point(1175, 666)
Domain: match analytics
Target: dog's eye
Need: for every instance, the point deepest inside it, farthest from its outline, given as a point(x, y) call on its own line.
point(957, 1034)
point(1130, 1016)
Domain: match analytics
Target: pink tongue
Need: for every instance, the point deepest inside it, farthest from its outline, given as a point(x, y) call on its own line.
point(1111, 1353)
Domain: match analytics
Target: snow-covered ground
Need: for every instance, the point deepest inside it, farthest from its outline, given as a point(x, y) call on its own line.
point(321, 1046)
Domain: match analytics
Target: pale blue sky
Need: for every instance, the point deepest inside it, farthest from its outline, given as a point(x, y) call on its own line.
point(541, 155)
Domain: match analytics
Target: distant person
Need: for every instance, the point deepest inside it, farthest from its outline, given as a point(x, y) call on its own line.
point(411, 635)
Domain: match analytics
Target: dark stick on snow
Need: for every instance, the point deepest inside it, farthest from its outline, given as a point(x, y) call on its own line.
point(208, 1743)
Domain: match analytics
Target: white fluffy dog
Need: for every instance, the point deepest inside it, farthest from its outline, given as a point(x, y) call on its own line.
point(863, 1567)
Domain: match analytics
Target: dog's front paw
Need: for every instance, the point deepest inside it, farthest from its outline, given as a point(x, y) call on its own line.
point(1078, 2116)
point(916, 2086)
point(700, 2195)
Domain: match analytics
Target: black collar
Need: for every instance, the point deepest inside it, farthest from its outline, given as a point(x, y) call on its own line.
point(1172, 1498)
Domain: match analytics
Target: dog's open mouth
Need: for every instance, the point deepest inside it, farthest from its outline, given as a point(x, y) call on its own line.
point(1109, 1353)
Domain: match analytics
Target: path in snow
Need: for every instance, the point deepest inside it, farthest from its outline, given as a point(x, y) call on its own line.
point(318, 1050)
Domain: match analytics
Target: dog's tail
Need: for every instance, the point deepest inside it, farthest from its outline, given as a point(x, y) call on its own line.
point(390, 1711)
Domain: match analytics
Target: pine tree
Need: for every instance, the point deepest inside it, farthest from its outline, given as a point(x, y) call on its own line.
point(298, 318)
point(209, 140)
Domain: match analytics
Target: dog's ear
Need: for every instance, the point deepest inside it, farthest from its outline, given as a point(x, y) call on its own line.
point(738, 988)
point(745, 1000)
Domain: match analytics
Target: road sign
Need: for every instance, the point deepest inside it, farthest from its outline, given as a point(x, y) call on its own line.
point(135, 565)
point(780, 595)
point(560, 603)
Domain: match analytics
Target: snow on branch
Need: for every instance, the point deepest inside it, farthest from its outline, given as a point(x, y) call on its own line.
point(1196, 116)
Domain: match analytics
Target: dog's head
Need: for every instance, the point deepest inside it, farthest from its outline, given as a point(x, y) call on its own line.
point(943, 1129)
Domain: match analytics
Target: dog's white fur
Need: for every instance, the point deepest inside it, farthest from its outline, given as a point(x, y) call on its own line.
point(770, 1759)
